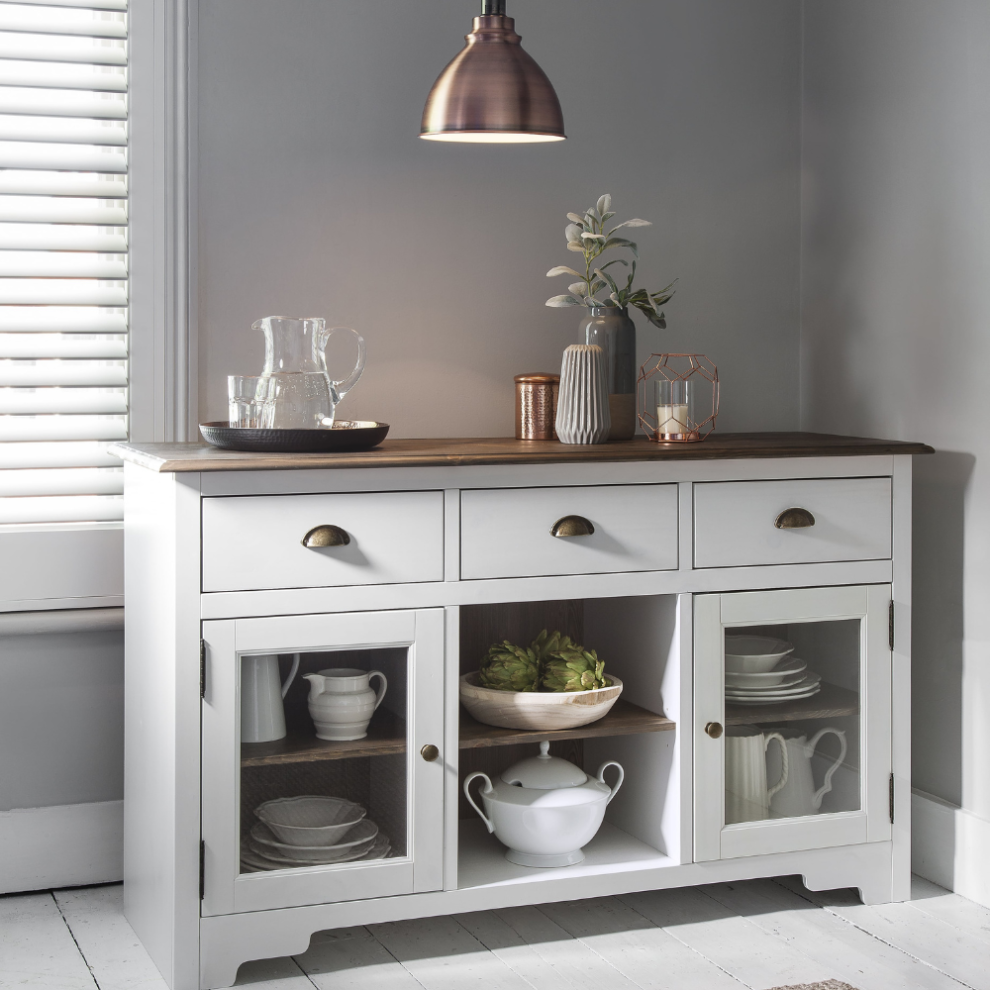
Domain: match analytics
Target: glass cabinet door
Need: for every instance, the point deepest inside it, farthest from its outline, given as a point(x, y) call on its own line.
point(792, 705)
point(319, 780)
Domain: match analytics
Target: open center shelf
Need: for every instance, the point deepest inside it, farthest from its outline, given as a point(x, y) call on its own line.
point(624, 719)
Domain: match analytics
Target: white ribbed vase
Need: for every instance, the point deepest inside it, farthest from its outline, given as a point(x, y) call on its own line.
point(582, 404)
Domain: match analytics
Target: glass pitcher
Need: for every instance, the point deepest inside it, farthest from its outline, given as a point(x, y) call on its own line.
point(305, 395)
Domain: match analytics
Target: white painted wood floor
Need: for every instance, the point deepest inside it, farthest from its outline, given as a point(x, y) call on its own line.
point(757, 934)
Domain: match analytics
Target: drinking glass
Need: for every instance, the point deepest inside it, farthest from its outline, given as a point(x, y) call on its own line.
point(674, 412)
point(250, 401)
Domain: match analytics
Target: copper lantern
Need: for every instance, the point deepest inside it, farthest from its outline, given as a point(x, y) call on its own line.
point(678, 397)
point(492, 91)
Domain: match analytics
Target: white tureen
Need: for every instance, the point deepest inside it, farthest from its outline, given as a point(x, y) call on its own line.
point(544, 808)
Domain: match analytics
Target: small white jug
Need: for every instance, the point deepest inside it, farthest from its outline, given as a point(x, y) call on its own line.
point(747, 796)
point(798, 796)
point(342, 701)
point(262, 715)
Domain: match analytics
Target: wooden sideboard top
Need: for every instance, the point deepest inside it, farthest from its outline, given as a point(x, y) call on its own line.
point(181, 457)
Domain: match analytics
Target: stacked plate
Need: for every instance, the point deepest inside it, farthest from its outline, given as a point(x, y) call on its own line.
point(311, 831)
point(759, 671)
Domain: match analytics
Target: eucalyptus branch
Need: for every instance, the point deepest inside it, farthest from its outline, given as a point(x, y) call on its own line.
point(585, 235)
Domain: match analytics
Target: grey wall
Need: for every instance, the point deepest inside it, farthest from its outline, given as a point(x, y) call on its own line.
point(895, 312)
point(316, 197)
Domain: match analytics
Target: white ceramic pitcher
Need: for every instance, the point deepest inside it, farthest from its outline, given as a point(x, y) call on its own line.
point(747, 796)
point(342, 701)
point(262, 714)
point(798, 796)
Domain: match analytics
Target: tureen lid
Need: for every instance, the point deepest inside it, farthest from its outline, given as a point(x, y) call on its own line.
point(545, 772)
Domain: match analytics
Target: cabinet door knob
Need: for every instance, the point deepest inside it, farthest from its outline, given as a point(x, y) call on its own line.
point(326, 536)
point(572, 526)
point(794, 518)
point(429, 752)
point(714, 729)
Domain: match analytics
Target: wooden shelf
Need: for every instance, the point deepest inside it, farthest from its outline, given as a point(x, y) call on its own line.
point(624, 719)
point(830, 702)
point(386, 736)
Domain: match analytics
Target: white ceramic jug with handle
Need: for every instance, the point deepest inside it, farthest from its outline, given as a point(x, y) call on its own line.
point(262, 714)
point(747, 795)
point(342, 701)
point(798, 796)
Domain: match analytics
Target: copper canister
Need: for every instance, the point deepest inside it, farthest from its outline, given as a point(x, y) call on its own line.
point(536, 406)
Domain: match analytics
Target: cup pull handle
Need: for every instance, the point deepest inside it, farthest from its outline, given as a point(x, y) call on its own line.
point(326, 536)
point(572, 526)
point(794, 518)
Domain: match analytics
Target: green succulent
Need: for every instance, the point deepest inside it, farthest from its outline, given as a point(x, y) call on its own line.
point(544, 645)
point(573, 669)
point(566, 665)
point(510, 668)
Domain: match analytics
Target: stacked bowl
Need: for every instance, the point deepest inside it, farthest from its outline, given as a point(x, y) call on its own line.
point(311, 831)
point(759, 670)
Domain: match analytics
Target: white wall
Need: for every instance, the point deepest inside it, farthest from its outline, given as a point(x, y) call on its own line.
point(318, 198)
point(895, 317)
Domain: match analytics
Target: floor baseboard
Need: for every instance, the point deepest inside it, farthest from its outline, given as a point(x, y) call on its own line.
point(950, 846)
point(64, 846)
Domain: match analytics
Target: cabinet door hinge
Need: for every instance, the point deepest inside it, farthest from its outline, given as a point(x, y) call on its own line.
point(890, 798)
point(890, 625)
point(202, 668)
point(202, 869)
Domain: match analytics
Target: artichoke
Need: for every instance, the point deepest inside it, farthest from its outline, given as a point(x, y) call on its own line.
point(571, 668)
point(510, 668)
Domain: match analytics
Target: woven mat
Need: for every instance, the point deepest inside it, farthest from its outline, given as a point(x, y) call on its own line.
point(827, 985)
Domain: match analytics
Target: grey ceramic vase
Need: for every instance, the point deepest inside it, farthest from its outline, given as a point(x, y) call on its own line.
point(615, 333)
point(582, 404)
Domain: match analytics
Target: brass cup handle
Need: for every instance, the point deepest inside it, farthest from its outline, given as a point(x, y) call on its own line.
point(794, 518)
point(714, 729)
point(429, 752)
point(572, 526)
point(326, 536)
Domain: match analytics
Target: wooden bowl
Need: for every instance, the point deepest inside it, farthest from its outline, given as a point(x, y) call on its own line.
point(537, 710)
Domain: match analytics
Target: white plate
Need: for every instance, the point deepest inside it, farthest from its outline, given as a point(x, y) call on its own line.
point(253, 861)
point(775, 690)
point(810, 692)
point(785, 670)
point(754, 654)
point(265, 842)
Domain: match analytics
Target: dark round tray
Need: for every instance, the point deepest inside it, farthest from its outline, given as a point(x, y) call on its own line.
point(345, 435)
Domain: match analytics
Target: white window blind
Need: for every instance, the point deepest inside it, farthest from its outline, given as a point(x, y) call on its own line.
point(63, 260)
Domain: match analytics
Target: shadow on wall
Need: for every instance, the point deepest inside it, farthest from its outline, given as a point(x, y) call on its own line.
point(940, 483)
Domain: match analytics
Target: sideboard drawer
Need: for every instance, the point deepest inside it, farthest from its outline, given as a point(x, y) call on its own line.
point(507, 532)
point(735, 521)
point(253, 543)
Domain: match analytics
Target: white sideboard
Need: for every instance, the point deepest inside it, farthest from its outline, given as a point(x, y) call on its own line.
point(449, 548)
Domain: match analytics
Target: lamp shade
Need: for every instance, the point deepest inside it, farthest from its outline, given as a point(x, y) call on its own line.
point(492, 92)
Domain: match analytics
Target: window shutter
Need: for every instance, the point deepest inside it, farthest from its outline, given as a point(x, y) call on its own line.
point(63, 260)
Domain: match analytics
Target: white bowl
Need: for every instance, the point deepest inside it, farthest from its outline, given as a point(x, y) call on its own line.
point(357, 842)
point(754, 654)
point(537, 710)
point(310, 820)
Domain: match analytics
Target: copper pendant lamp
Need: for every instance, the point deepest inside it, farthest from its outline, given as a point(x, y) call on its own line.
point(492, 92)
